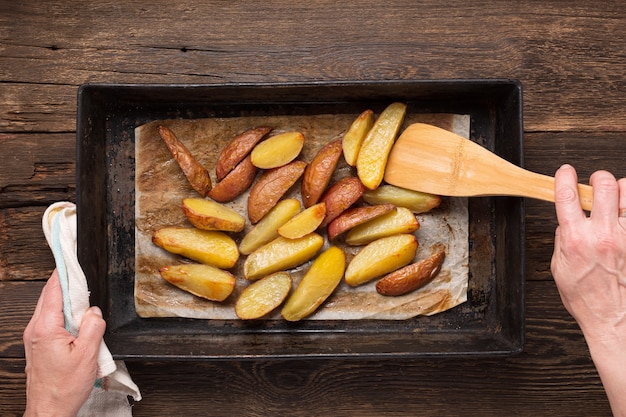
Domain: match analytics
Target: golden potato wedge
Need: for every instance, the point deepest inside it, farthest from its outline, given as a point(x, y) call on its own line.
point(281, 254)
point(381, 257)
point(238, 148)
point(270, 187)
point(372, 157)
point(202, 280)
point(400, 220)
point(415, 201)
point(304, 222)
point(317, 285)
point(211, 215)
point(266, 230)
point(263, 296)
point(340, 196)
point(197, 175)
point(413, 276)
point(353, 139)
point(238, 180)
point(206, 246)
point(318, 173)
point(354, 217)
point(277, 150)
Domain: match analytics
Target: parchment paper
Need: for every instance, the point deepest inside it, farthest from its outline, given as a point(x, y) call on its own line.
point(160, 187)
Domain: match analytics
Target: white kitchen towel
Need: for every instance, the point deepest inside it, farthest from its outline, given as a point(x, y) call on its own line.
point(109, 396)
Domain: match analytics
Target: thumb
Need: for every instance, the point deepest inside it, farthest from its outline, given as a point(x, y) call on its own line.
point(92, 328)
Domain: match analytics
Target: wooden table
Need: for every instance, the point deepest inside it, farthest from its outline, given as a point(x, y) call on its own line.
point(569, 56)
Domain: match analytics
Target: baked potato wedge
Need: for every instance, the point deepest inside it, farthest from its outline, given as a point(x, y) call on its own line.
point(277, 150)
point(270, 187)
point(210, 247)
point(266, 230)
point(400, 220)
point(201, 280)
point(303, 223)
point(355, 216)
point(263, 296)
point(318, 173)
point(238, 148)
point(341, 196)
point(372, 157)
point(413, 276)
point(197, 175)
point(238, 180)
point(353, 139)
point(415, 201)
point(317, 285)
point(281, 254)
point(211, 215)
point(381, 257)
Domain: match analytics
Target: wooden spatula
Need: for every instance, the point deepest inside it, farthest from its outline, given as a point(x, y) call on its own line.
point(433, 160)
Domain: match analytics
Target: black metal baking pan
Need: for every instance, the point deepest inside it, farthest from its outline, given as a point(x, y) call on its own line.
point(491, 322)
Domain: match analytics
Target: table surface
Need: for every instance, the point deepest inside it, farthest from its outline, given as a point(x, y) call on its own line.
point(568, 55)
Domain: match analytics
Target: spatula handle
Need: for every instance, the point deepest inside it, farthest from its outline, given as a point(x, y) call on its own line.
point(542, 187)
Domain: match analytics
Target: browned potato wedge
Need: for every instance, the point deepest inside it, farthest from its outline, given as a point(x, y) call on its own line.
point(207, 246)
point(210, 215)
point(202, 280)
point(318, 173)
point(235, 182)
point(197, 175)
point(266, 230)
point(372, 158)
point(277, 150)
point(400, 220)
point(353, 139)
point(354, 217)
point(415, 201)
point(237, 149)
point(317, 284)
point(413, 276)
point(270, 187)
point(304, 222)
point(263, 296)
point(381, 257)
point(340, 196)
point(281, 254)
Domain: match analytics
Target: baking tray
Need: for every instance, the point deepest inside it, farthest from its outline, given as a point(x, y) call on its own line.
point(491, 322)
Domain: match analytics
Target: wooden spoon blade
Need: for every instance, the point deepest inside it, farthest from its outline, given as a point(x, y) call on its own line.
point(433, 160)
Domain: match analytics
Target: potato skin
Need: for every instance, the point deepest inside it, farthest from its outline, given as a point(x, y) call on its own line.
point(270, 187)
point(413, 276)
point(340, 196)
point(197, 175)
point(354, 217)
point(238, 148)
point(318, 173)
point(235, 182)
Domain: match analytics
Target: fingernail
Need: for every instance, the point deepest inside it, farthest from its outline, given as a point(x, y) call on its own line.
point(96, 310)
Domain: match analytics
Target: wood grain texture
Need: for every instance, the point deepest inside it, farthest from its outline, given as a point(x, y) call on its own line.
point(569, 56)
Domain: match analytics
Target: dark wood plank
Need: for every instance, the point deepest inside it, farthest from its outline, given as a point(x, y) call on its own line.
point(568, 55)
